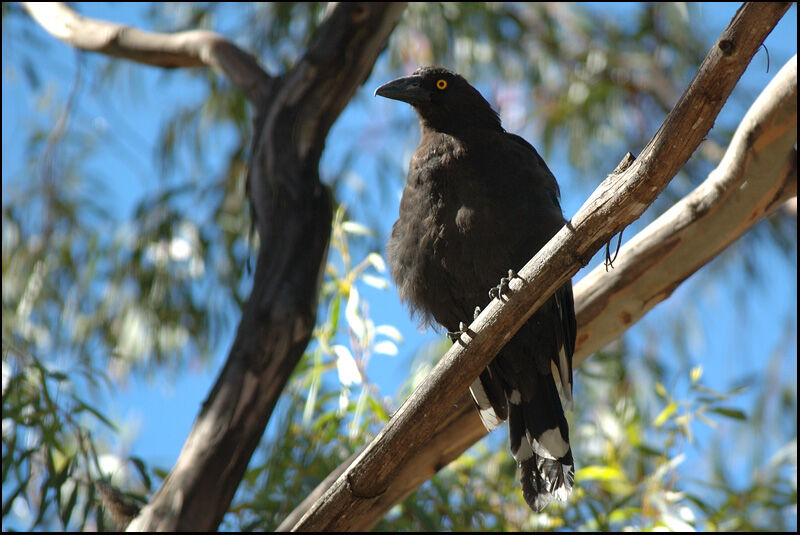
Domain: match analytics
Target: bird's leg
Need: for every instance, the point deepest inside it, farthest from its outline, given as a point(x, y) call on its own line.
point(503, 288)
point(455, 335)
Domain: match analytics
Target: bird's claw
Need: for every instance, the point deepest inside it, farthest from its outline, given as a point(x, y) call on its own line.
point(503, 288)
point(455, 335)
point(462, 329)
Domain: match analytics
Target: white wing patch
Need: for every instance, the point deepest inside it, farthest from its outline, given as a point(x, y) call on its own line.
point(524, 452)
point(563, 374)
point(549, 445)
point(563, 365)
point(489, 419)
point(486, 412)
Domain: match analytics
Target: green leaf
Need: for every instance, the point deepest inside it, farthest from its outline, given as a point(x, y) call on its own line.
point(728, 412)
point(357, 229)
point(696, 373)
point(426, 520)
point(161, 473)
point(14, 495)
point(665, 414)
point(599, 473)
point(57, 480)
point(624, 514)
point(377, 409)
point(83, 406)
point(333, 312)
point(142, 469)
point(648, 451)
point(59, 376)
point(66, 512)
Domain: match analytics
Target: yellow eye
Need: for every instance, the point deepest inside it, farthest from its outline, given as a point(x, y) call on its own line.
point(441, 85)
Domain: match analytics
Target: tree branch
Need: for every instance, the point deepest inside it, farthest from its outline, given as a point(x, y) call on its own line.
point(293, 216)
point(757, 174)
point(355, 498)
point(195, 48)
point(294, 113)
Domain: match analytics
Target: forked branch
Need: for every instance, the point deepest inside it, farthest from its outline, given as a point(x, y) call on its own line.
point(193, 48)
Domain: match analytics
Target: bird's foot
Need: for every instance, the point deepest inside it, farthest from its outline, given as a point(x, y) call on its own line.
point(463, 329)
point(456, 335)
point(503, 288)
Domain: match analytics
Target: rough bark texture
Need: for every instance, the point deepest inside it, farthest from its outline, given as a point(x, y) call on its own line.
point(294, 113)
point(293, 214)
point(357, 499)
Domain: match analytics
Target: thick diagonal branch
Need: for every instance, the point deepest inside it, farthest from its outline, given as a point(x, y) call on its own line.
point(194, 48)
point(353, 499)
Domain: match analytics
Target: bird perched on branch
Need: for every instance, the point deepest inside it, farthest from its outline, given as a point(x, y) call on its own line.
point(478, 203)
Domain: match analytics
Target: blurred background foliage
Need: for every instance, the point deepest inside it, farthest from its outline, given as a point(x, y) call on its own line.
point(92, 294)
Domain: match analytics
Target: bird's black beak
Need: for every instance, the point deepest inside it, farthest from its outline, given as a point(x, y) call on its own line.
point(407, 89)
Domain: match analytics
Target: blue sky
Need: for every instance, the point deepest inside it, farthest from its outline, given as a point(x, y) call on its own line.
point(159, 412)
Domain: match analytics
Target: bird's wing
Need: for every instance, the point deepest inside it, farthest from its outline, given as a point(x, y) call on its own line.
point(538, 170)
point(566, 311)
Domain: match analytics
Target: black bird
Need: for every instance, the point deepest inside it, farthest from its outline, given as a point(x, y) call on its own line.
point(479, 202)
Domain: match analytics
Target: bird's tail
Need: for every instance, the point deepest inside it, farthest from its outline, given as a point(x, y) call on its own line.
point(539, 438)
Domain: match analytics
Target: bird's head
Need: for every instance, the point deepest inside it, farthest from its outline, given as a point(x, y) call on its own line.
point(443, 100)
